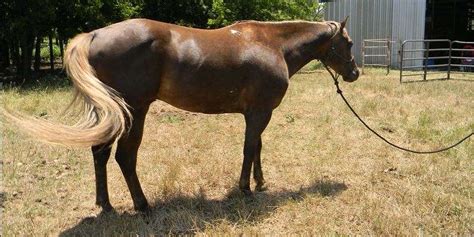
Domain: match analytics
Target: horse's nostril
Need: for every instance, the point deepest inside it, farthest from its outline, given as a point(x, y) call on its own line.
point(355, 73)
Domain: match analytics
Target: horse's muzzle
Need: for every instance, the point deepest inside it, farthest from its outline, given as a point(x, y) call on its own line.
point(352, 76)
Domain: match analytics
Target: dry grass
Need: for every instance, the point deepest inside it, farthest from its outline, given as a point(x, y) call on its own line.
point(326, 173)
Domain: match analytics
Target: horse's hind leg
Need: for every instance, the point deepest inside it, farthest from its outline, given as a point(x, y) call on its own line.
point(126, 157)
point(256, 122)
point(101, 155)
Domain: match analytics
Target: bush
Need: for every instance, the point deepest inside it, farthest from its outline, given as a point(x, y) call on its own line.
point(45, 50)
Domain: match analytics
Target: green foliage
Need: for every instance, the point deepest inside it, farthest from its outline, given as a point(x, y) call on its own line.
point(45, 51)
point(127, 9)
point(118, 10)
point(225, 12)
point(219, 14)
point(184, 12)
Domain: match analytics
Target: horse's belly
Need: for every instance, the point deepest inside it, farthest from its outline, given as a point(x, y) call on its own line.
point(203, 97)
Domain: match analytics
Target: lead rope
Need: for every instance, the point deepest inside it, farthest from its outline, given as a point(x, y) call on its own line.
point(339, 91)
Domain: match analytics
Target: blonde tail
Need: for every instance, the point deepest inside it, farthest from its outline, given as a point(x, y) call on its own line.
point(105, 117)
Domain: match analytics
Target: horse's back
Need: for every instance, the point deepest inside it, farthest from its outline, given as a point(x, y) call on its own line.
point(209, 71)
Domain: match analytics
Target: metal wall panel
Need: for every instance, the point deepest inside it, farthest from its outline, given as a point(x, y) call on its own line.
point(408, 23)
point(397, 20)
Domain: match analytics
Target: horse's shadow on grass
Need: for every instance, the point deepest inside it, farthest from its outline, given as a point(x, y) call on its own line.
point(189, 214)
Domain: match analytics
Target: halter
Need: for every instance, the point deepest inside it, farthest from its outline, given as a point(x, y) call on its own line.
point(331, 53)
point(332, 50)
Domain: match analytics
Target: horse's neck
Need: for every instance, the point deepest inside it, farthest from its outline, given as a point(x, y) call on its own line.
point(300, 42)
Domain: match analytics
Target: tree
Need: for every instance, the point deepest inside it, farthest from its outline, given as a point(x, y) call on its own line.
point(118, 10)
point(185, 12)
point(224, 12)
point(4, 48)
point(25, 20)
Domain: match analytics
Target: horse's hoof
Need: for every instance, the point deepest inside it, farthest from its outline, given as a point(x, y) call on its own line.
point(106, 206)
point(261, 188)
point(247, 192)
point(144, 209)
point(146, 214)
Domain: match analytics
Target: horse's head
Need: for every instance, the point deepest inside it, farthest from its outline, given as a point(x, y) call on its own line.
point(338, 54)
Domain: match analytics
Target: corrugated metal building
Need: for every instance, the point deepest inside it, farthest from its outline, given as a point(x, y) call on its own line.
point(396, 20)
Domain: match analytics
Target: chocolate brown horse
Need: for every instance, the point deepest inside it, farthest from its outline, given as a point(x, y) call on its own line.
point(119, 70)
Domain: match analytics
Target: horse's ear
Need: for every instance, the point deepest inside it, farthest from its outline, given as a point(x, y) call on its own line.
point(343, 24)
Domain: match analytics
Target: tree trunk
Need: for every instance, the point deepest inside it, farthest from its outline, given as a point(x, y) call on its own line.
point(51, 52)
point(5, 54)
point(16, 54)
point(21, 70)
point(37, 65)
point(29, 55)
point(61, 48)
point(26, 46)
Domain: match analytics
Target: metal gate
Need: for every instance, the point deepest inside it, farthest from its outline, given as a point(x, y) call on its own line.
point(445, 54)
point(462, 56)
point(377, 48)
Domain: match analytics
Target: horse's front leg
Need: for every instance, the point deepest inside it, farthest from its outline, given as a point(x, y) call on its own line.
point(256, 122)
point(257, 169)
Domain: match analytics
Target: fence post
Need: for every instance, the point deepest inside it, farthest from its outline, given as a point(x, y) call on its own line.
point(389, 56)
point(363, 56)
point(449, 58)
point(425, 63)
point(401, 60)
